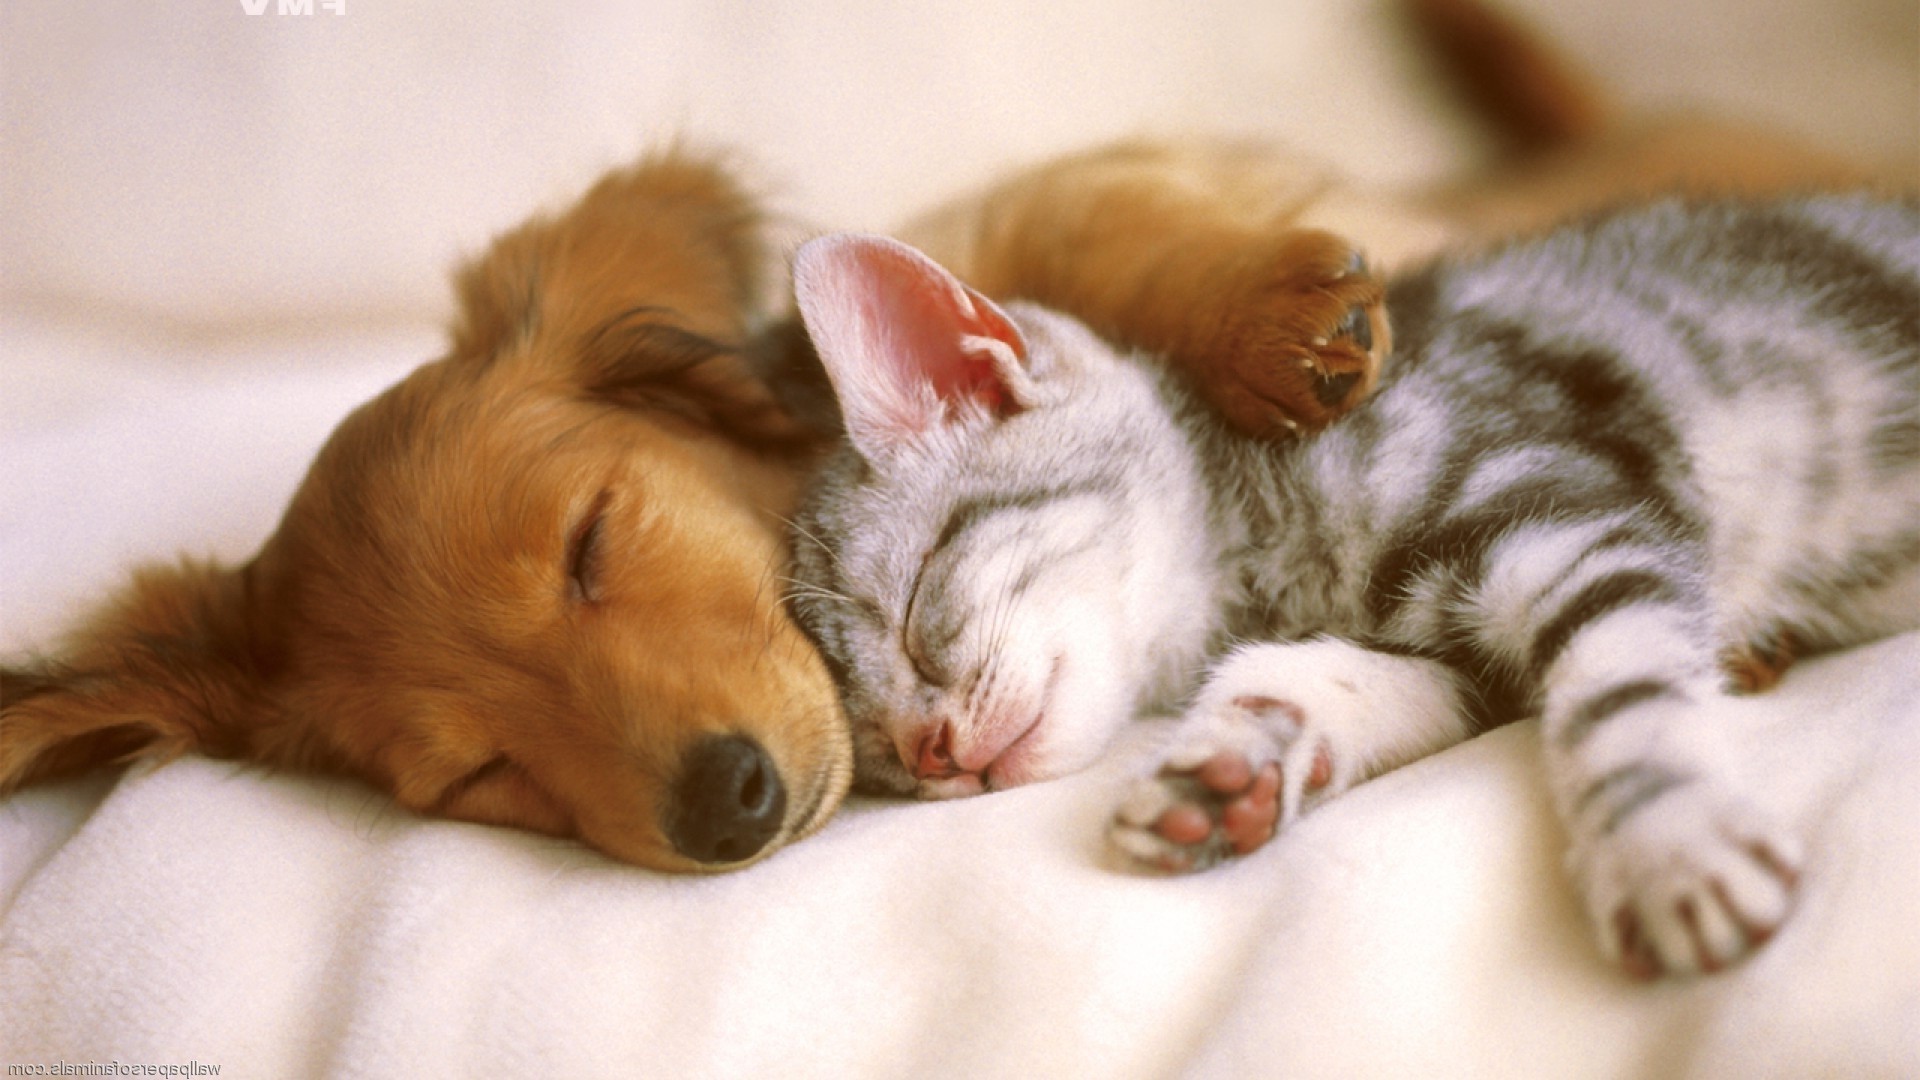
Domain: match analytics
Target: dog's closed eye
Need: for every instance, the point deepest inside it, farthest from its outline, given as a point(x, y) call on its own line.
point(583, 553)
point(501, 790)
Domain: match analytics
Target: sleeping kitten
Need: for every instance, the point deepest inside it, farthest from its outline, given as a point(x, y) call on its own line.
point(1598, 458)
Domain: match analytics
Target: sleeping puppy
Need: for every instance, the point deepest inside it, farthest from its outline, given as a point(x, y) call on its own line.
point(534, 584)
point(538, 583)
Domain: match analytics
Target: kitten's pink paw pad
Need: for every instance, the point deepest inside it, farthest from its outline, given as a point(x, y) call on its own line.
point(1189, 819)
point(1238, 803)
point(1185, 824)
point(1250, 818)
point(1196, 816)
point(1273, 734)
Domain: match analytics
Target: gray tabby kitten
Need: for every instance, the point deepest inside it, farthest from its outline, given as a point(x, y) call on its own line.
point(1598, 460)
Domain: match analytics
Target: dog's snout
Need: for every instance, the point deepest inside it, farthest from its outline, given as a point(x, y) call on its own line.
point(729, 801)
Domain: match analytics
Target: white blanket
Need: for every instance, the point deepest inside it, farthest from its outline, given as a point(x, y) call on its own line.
point(282, 926)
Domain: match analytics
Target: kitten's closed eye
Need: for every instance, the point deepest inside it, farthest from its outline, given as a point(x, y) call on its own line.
point(926, 659)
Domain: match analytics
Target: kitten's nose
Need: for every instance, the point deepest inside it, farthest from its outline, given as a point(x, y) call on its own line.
point(728, 802)
point(933, 760)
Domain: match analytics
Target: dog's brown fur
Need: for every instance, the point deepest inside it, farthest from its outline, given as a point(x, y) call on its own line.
point(416, 619)
point(439, 614)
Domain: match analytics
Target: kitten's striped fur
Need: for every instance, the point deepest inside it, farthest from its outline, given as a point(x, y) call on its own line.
point(1599, 460)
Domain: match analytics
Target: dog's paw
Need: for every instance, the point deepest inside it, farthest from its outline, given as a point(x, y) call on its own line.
point(1302, 338)
point(1240, 770)
point(1680, 877)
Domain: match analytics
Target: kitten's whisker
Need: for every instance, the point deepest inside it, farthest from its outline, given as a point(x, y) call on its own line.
point(769, 628)
point(795, 527)
point(798, 587)
point(820, 595)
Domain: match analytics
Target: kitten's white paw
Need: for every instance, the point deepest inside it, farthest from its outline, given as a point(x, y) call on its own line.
point(1264, 742)
point(1680, 875)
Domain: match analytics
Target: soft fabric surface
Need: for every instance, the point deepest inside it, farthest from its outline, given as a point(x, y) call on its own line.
point(282, 926)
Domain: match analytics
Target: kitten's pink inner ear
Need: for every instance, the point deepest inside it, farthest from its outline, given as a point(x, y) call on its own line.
point(904, 341)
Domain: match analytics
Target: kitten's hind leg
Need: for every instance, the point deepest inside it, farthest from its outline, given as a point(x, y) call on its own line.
point(1277, 730)
point(1689, 888)
point(1684, 868)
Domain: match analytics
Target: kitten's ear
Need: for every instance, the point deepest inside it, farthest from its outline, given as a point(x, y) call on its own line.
point(909, 348)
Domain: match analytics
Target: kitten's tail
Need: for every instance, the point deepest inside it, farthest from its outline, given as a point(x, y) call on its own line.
point(1535, 95)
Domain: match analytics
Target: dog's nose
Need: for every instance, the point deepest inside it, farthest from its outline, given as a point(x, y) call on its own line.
point(729, 801)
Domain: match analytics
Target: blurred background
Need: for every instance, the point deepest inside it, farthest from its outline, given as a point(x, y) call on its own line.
point(191, 168)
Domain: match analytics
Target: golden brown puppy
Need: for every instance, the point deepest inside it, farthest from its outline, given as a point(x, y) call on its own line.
point(533, 584)
point(538, 583)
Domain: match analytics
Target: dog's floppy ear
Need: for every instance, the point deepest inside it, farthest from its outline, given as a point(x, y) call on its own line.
point(642, 358)
point(641, 293)
point(677, 229)
point(168, 666)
